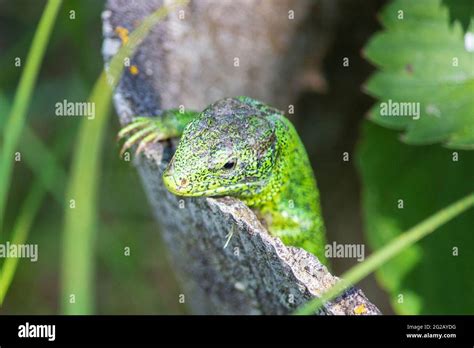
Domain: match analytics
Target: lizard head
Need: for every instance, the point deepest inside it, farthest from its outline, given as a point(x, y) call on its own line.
point(229, 149)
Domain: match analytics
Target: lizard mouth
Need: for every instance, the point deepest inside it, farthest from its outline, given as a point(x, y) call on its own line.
point(187, 190)
point(179, 187)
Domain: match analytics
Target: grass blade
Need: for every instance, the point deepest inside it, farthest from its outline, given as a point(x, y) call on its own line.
point(20, 233)
point(80, 221)
point(16, 119)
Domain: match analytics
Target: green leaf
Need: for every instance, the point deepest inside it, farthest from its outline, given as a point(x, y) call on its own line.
point(426, 276)
point(461, 11)
point(423, 61)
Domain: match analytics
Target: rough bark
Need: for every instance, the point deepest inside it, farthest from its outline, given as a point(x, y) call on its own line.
point(226, 260)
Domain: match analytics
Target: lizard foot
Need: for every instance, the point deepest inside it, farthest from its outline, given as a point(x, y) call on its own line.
point(142, 131)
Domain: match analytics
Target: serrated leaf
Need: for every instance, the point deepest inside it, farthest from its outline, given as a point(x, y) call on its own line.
point(425, 68)
point(428, 277)
point(461, 11)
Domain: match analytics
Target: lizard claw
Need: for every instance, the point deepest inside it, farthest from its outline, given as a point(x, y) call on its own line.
point(149, 139)
point(143, 130)
point(136, 123)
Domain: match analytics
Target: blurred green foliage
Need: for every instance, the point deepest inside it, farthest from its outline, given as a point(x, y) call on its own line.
point(428, 275)
point(140, 283)
point(402, 184)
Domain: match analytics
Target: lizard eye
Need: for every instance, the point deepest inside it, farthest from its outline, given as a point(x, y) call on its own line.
point(229, 165)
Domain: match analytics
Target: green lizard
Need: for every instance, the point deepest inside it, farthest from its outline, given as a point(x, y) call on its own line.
point(243, 148)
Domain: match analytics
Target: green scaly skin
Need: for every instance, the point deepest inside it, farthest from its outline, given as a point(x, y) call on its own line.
point(242, 148)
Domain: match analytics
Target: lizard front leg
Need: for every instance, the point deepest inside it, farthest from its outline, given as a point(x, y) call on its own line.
point(147, 130)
